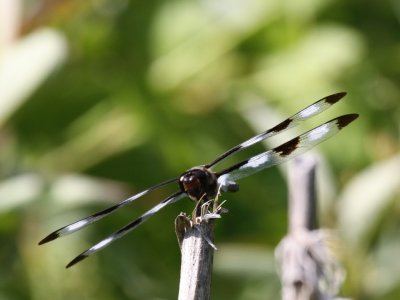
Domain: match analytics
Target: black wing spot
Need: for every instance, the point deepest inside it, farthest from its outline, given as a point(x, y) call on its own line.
point(288, 147)
point(343, 121)
point(76, 260)
point(281, 126)
point(135, 223)
point(335, 97)
point(51, 237)
point(106, 211)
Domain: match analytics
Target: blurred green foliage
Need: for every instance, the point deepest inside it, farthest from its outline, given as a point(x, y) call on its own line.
point(101, 99)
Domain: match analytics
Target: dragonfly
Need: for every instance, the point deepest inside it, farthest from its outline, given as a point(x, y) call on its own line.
point(201, 183)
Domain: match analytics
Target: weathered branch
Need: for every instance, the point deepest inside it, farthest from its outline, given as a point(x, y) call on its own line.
point(302, 195)
point(309, 271)
point(197, 249)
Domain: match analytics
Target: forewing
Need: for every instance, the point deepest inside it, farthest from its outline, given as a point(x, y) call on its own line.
point(99, 215)
point(286, 151)
point(306, 113)
point(127, 228)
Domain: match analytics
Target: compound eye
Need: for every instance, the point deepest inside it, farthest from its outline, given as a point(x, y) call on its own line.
point(191, 184)
point(189, 179)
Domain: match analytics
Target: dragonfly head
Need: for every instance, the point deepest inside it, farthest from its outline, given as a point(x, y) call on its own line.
point(199, 183)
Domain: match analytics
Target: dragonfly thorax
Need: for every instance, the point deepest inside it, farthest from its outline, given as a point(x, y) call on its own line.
point(199, 183)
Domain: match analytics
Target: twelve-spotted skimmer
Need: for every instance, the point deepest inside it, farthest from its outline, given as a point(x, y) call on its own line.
point(202, 183)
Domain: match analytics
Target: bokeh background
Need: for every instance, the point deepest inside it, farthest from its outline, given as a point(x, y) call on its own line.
point(101, 99)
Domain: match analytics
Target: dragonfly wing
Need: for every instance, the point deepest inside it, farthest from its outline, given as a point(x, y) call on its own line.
point(68, 229)
point(127, 228)
point(306, 113)
point(284, 152)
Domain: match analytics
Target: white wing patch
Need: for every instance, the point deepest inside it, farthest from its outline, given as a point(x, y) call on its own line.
point(75, 226)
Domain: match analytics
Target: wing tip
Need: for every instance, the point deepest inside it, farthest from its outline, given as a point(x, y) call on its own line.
point(335, 97)
point(76, 260)
point(345, 120)
point(51, 237)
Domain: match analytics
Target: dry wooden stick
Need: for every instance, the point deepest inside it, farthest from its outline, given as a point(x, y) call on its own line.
point(306, 263)
point(197, 251)
point(302, 195)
